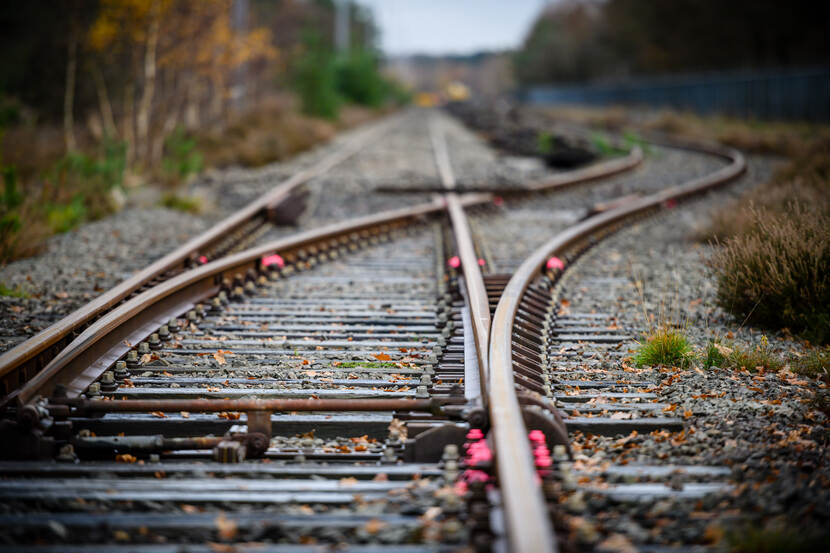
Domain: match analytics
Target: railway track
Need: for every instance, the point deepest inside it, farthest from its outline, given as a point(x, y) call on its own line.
point(362, 384)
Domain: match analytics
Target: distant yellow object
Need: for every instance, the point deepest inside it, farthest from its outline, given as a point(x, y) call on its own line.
point(458, 91)
point(426, 99)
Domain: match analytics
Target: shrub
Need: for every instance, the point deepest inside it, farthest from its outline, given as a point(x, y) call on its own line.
point(664, 346)
point(315, 79)
point(359, 80)
point(778, 275)
point(181, 159)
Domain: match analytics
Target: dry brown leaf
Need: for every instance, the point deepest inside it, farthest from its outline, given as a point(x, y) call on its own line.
point(350, 481)
point(382, 357)
point(158, 414)
point(125, 458)
point(226, 528)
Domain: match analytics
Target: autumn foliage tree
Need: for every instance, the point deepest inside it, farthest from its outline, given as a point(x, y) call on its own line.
point(160, 64)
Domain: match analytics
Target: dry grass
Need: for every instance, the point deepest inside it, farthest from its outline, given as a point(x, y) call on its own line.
point(777, 273)
point(275, 131)
point(784, 138)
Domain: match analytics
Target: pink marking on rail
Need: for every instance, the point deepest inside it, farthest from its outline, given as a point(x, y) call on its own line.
point(475, 434)
point(555, 263)
point(669, 204)
point(454, 262)
point(203, 259)
point(481, 262)
point(498, 201)
point(536, 436)
point(274, 259)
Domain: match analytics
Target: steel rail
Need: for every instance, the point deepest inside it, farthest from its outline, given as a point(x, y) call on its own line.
point(219, 405)
point(528, 527)
point(15, 359)
point(110, 336)
point(473, 279)
point(504, 407)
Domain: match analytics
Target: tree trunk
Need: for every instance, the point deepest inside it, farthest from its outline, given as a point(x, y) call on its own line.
point(143, 116)
point(110, 130)
point(69, 92)
point(128, 128)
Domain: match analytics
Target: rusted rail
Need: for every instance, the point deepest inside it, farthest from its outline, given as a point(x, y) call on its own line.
point(20, 363)
point(504, 407)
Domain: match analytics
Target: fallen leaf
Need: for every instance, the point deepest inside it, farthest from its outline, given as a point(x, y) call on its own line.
point(158, 414)
point(374, 526)
point(185, 414)
point(125, 458)
point(382, 357)
point(350, 481)
point(227, 528)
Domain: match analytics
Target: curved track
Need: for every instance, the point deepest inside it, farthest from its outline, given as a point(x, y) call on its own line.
point(352, 355)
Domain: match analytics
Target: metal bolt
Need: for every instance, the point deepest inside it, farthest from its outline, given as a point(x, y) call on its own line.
point(426, 380)
point(108, 382)
point(436, 349)
point(155, 342)
point(446, 331)
point(237, 293)
point(192, 316)
point(94, 390)
point(250, 288)
point(422, 392)
point(262, 280)
point(450, 452)
point(173, 325)
point(143, 348)
point(560, 453)
point(441, 341)
point(155, 458)
point(389, 455)
point(164, 333)
point(228, 451)
point(132, 358)
point(427, 369)
point(121, 371)
point(67, 454)
point(223, 297)
point(215, 304)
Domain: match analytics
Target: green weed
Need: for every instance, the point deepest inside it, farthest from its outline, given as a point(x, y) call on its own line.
point(358, 79)
point(187, 204)
point(16, 292)
point(544, 142)
point(775, 540)
point(664, 346)
point(604, 146)
point(714, 355)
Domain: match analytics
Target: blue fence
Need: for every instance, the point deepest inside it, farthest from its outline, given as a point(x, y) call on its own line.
point(795, 94)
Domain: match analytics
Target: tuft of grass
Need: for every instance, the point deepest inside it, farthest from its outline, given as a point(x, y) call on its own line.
point(604, 146)
point(16, 292)
point(815, 364)
point(778, 275)
point(544, 142)
point(751, 358)
point(664, 346)
point(714, 355)
point(187, 204)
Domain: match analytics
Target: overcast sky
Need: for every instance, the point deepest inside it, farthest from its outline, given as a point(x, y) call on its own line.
point(452, 26)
